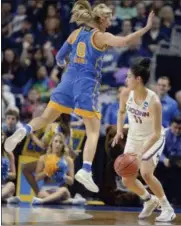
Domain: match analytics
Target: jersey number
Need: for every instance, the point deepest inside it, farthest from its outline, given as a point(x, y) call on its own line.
point(81, 49)
point(138, 119)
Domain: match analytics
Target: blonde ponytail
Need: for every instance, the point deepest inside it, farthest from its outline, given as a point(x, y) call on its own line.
point(81, 12)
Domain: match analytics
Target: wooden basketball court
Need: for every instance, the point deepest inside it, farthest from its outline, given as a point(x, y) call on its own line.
point(25, 214)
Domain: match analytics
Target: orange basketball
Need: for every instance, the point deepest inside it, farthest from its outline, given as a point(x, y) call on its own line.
point(126, 165)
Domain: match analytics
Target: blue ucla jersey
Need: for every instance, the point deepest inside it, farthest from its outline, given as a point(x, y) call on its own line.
point(85, 56)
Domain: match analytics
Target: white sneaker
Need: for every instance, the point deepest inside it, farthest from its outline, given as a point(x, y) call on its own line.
point(14, 200)
point(85, 178)
point(36, 201)
point(166, 215)
point(149, 207)
point(13, 140)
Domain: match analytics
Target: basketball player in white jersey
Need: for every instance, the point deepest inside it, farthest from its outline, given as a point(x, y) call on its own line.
point(145, 138)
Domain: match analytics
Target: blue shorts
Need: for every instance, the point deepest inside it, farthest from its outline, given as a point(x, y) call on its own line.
point(76, 92)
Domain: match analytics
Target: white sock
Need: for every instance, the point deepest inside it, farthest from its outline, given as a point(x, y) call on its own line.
point(165, 203)
point(13, 199)
point(146, 196)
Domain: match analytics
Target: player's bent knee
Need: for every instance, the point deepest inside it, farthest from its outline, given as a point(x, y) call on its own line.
point(147, 176)
point(128, 181)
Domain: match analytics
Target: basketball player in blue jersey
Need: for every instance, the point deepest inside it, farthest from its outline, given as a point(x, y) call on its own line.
point(79, 88)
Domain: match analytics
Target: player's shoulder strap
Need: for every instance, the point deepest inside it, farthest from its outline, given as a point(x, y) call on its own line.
point(149, 96)
point(73, 36)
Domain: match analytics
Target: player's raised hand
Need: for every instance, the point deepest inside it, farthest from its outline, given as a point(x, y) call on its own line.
point(117, 138)
point(150, 20)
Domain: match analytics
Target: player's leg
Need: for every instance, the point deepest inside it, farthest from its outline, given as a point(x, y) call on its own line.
point(134, 185)
point(86, 95)
point(28, 170)
point(84, 175)
point(61, 102)
point(147, 172)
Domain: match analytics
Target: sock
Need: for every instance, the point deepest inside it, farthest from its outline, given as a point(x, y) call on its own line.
point(13, 199)
point(165, 203)
point(28, 128)
point(146, 196)
point(87, 166)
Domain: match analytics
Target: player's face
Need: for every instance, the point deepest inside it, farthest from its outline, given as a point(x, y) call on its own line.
point(106, 22)
point(176, 129)
point(132, 81)
point(57, 145)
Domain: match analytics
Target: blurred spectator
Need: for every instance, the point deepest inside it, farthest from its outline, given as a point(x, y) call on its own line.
point(42, 83)
point(178, 13)
point(167, 20)
point(18, 19)
point(126, 10)
point(110, 117)
point(178, 99)
point(170, 166)
point(11, 122)
point(169, 105)
point(156, 6)
point(126, 27)
point(7, 186)
point(134, 50)
point(109, 66)
point(152, 39)
point(52, 12)
point(115, 27)
point(51, 33)
point(6, 18)
point(30, 104)
point(7, 100)
point(26, 28)
point(139, 21)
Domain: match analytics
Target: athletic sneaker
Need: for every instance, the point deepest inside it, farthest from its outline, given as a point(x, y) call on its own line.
point(166, 215)
point(36, 201)
point(13, 140)
point(14, 200)
point(149, 207)
point(85, 178)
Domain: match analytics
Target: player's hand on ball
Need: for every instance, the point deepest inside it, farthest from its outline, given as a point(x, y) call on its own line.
point(117, 138)
point(150, 20)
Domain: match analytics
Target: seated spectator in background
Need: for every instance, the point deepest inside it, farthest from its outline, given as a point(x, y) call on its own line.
point(7, 100)
point(55, 188)
point(134, 50)
point(178, 99)
point(8, 174)
point(169, 105)
point(115, 27)
point(170, 166)
point(156, 6)
point(178, 13)
point(167, 21)
point(126, 10)
point(26, 28)
point(42, 83)
point(11, 122)
point(152, 39)
point(51, 33)
point(6, 17)
point(139, 21)
point(18, 19)
point(30, 104)
point(109, 66)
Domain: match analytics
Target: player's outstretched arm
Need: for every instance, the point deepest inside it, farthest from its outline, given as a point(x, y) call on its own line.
point(116, 41)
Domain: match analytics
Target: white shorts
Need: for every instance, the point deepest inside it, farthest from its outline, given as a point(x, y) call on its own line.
point(134, 146)
point(50, 188)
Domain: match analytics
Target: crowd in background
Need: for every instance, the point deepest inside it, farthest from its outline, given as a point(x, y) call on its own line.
point(32, 33)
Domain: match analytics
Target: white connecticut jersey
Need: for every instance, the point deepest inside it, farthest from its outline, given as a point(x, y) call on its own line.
point(139, 117)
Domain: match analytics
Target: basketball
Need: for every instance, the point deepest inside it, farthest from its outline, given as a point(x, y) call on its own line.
point(126, 165)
